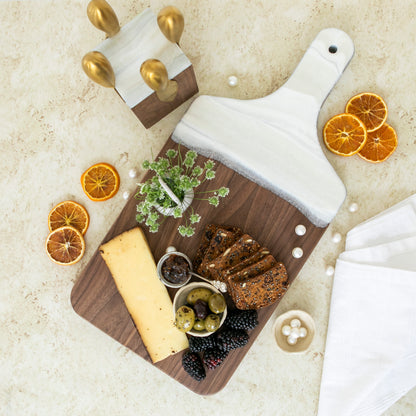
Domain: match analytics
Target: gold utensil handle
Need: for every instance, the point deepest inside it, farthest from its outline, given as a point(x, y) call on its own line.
point(155, 75)
point(99, 69)
point(171, 23)
point(103, 17)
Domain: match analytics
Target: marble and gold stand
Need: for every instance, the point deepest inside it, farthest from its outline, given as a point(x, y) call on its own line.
point(137, 42)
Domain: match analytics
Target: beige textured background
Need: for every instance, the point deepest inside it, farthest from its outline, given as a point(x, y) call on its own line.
point(54, 123)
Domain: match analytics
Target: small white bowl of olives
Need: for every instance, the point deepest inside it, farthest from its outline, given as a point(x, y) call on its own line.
point(199, 309)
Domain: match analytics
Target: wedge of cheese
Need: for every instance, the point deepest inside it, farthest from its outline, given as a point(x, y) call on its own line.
point(133, 268)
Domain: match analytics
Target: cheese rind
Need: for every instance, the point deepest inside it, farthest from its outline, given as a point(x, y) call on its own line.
point(133, 268)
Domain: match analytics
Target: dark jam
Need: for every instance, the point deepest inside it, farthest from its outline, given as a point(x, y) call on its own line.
point(175, 269)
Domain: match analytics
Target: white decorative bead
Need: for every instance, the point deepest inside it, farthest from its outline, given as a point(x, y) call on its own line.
point(294, 332)
point(232, 81)
point(295, 323)
point(300, 229)
point(291, 340)
point(330, 270)
point(297, 252)
point(286, 330)
point(126, 195)
point(132, 173)
point(336, 238)
point(353, 207)
point(303, 332)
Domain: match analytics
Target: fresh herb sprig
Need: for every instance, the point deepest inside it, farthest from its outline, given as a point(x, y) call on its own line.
point(181, 175)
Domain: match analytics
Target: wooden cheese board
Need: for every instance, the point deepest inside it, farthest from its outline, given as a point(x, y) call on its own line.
point(257, 211)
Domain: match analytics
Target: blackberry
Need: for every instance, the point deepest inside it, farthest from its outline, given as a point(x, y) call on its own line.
point(213, 357)
point(199, 344)
point(230, 338)
point(192, 364)
point(246, 319)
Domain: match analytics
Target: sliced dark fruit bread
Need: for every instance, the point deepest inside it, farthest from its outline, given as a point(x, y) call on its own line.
point(221, 240)
point(261, 290)
point(243, 248)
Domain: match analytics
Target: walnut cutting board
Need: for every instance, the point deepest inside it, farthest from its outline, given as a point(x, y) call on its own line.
point(258, 212)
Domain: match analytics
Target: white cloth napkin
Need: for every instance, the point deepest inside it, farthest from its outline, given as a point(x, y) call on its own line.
point(392, 224)
point(370, 355)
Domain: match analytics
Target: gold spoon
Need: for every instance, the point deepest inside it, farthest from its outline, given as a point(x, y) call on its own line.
point(99, 69)
point(103, 17)
point(155, 75)
point(171, 23)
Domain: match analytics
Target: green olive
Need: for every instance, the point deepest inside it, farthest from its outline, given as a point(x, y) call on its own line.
point(184, 318)
point(216, 303)
point(198, 293)
point(212, 322)
point(199, 325)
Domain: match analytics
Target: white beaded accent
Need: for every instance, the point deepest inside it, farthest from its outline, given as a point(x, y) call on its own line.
point(126, 195)
point(286, 330)
point(336, 238)
point(297, 252)
point(300, 229)
point(132, 173)
point(294, 331)
point(295, 323)
point(330, 270)
point(291, 340)
point(232, 81)
point(353, 207)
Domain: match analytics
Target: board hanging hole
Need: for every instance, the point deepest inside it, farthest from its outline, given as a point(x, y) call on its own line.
point(332, 49)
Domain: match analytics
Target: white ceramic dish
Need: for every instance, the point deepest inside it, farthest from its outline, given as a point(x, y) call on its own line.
point(180, 300)
point(302, 344)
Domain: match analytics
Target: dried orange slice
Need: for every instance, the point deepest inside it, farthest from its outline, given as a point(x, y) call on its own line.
point(380, 144)
point(369, 108)
point(65, 245)
point(100, 182)
point(344, 134)
point(69, 213)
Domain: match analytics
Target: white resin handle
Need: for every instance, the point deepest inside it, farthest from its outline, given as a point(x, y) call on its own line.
point(322, 65)
point(273, 140)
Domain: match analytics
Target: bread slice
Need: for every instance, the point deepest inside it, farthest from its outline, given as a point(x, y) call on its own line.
point(259, 291)
point(221, 240)
point(254, 269)
point(207, 236)
point(209, 232)
point(254, 258)
point(243, 248)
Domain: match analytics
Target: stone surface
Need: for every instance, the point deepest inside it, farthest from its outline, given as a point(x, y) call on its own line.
point(54, 123)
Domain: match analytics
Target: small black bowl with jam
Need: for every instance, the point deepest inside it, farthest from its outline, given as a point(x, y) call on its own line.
point(174, 268)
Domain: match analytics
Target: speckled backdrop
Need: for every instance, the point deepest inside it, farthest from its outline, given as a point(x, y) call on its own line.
point(54, 123)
